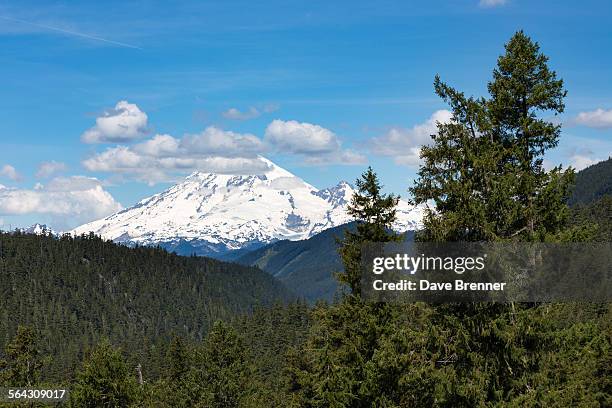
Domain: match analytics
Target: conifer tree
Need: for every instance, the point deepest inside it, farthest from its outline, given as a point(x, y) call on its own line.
point(484, 170)
point(222, 376)
point(172, 390)
point(104, 380)
point(177, 360)
point(344, 336)
point(23, 363)
point(375, 213)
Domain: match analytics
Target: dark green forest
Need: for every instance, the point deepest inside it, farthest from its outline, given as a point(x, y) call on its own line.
point(75, 291)
point(139, 327)
point(592, 183)
point(306, 267)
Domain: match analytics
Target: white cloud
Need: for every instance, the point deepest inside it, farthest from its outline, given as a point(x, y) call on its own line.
point(164, 158)
point(47, 169)
point(211, 141)
point(316, 144)
point(215, 141)
point(251, 113)
point(492, 3)
point(404, 145)
point(235, 114)
point(73, 183)
point(10, 172)
point(125, 123)
point(598, 118)
point(232, 165)
point(346, 157)
point(300, 138)
point(158, 146)
point(580, 162)
point(131, 165)
point(75, 199)
point(114, 159)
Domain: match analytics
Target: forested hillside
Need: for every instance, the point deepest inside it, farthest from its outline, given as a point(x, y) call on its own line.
point(592, 183)
point(76, 291)
point(306, 267)
point(597, 215)
point(591, 200)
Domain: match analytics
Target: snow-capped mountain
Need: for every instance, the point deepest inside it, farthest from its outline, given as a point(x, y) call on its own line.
point(211, 214)
point(39, 229)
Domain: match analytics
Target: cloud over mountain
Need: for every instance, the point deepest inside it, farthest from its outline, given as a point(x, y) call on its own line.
point(317, 144)
point(165, 158)
point(125, 123)
point(404, 145)
point(215, 141)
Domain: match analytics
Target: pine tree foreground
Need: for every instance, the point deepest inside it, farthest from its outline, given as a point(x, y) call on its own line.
point(484, 172)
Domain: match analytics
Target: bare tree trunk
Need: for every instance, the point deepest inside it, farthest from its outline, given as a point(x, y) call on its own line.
point(139, 371)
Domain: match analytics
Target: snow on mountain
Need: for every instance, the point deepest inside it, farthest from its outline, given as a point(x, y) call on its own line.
point(211, 214)
point(39, 229)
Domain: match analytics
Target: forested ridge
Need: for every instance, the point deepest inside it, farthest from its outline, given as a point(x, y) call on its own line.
point(306, 267)
point(484, 172)
point(76, 291)
point(592, 183)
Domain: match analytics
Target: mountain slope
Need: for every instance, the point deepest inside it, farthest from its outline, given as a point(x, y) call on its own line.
point(212, 214)
point(592, 183)
point(306, 267)
point(76, 291)
point(591, 200)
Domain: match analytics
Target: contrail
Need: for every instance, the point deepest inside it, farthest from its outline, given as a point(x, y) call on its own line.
point(61, 30)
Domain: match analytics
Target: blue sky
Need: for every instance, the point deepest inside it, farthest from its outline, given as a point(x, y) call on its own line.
point(322, 88)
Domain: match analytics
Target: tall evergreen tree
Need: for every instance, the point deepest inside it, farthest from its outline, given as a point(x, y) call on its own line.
point(375, 213)
point(484, 173)
point(104, 380)
point(177, 357)
point(222, 375)
point(23, 364)
point(484, 170)
point(334, 368)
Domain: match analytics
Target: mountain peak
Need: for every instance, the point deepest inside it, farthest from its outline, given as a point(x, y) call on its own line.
point(338, 195)
point(273, 173)
point(269, 169)
point(213, 213)
point(38, 229)
point(342, 184)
